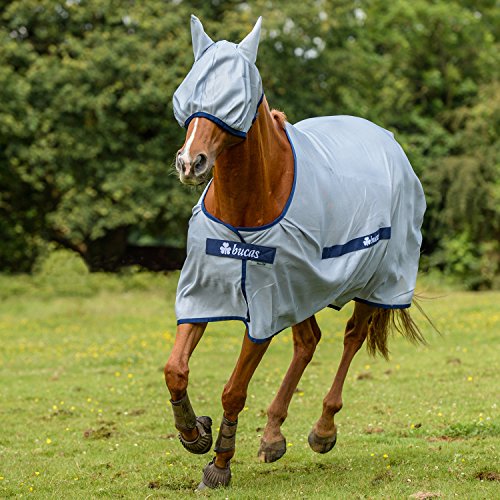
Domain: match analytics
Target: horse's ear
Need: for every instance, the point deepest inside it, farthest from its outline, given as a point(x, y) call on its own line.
point(250, 44)
point(201, 41)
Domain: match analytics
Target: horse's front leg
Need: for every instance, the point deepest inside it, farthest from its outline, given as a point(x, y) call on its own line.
point(195, 433)
point(218, 472)
point(306, 336)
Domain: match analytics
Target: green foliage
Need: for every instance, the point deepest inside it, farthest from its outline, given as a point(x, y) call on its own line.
point(86, 127)
point(63, 273)
point(85, 139)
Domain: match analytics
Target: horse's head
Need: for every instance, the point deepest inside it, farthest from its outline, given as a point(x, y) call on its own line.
point(217, 101)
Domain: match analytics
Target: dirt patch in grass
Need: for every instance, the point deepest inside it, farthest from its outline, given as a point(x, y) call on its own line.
point(62, 412)
point(436, 439)
point(137, 411)
point(374, 430)
point(132, 413)
point(488, 476)
point(425, 495)
point(382, 477)
point(103, 432)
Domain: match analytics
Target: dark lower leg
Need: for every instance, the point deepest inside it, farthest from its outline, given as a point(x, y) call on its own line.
point(355, 335)
point(306, 336)
point(234, 397)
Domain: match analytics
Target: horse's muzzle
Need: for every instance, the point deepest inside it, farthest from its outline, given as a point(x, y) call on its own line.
point(192, 172)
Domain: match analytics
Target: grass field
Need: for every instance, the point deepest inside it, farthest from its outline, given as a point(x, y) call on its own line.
point(84, 410)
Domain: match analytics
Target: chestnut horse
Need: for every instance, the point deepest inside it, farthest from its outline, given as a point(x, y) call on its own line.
point(232, 132)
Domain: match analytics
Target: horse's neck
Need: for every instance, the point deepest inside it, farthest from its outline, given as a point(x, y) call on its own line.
point(253, 179)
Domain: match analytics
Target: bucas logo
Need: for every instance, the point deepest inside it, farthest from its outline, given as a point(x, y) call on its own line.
point(224, 249)
point(237, 251)
point(371, 240)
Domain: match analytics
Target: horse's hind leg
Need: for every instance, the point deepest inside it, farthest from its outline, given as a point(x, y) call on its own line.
point(195, 433)
point(217, 472)
point(306, 336)
point(324, 434)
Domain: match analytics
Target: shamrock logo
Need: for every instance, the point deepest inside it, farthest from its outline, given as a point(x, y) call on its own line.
point(224, 249)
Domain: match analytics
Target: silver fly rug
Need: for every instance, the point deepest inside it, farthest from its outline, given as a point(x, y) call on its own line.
point(349, 231)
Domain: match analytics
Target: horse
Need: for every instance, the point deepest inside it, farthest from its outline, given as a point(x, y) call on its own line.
point(295, 218)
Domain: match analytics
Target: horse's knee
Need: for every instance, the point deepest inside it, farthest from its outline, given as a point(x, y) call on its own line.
point(176, 378)
point(233, 401)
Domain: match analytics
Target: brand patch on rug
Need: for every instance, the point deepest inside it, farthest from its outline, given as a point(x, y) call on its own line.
point(241, 251)
point(384, 233)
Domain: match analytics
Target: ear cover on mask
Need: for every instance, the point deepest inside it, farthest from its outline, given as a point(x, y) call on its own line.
point(224, 85)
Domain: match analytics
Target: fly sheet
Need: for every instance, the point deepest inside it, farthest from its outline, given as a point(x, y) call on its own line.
point(349, 231)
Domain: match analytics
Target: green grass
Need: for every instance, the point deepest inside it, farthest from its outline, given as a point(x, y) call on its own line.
point(84, 413)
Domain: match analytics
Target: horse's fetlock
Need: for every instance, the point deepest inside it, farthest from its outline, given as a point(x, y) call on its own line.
point(277, 416)
point(332, 407)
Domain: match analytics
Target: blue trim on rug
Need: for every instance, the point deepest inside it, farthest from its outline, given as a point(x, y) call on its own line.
point(217, 121)
point(215, 219)
point(361, 243)
point(243, 286)
point(261, 341)
point(382, 306)
point(215, 319)
point(212, 319)
point(335, 308)
point(266, 226)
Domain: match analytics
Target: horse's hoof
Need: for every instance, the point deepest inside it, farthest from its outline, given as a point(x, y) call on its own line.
point(214, 477)
point(203, 442)
point(321, 444)
point(270, 452)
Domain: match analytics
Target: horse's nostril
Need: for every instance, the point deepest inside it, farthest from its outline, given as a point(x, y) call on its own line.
point(199, 163)
point(180, 163)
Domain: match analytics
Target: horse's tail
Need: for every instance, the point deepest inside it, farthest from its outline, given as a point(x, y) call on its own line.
point(385, 321)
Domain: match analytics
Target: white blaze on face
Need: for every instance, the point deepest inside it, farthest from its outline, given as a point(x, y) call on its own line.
point(185, 157)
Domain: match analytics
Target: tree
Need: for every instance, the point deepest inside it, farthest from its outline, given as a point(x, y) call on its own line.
point(87, 134)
